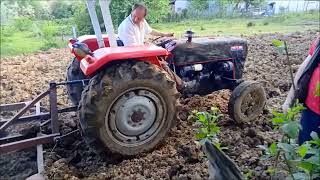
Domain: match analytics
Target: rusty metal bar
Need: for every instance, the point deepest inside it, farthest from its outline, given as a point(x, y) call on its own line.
point(16, 142)
point(26, 143)
point(68, 109)
point(16, 106)
point(54, 108)
point(45, 122)
point(22, 111)
point(41, 116)
point(13, 106)
point(11, 138)
point(83, 82)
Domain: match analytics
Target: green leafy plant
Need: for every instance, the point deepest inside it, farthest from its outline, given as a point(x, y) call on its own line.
point(302, 162)
point(280, 45)
point(283, 49)
point(208, 127)
point(48, 31)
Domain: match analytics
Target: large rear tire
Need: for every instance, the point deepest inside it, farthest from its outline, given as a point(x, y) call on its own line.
point(74, 73)
point(129, 107)
point(247, 101)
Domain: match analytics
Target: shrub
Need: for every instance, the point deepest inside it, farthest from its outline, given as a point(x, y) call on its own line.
point(49, 44)
point(49, 29)
point(23, 24)
point(303, 162)
point(250, 24)
point(208, 127)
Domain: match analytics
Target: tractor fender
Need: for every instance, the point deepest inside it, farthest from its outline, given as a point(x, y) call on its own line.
point(90, 41)
point(103, 56)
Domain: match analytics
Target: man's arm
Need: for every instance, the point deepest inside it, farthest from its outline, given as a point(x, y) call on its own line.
point(158, 33)
point(153, 32)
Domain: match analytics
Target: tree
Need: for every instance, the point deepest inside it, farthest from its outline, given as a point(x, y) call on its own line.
point(61, 9)
point(157, 10)
point(32, 9)
point(199, 4)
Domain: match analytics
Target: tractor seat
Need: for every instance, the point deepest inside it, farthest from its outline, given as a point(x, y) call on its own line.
point(119, 42)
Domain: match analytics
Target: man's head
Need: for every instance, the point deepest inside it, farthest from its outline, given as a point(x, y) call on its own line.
point(139, 11)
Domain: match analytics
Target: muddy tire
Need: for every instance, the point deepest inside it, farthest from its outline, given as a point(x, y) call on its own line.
point(247, 101)
point(129, 108)
point(74, 73)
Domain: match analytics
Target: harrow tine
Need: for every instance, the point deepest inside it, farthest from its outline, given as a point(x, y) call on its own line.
point(40, 163)
point(13, 106)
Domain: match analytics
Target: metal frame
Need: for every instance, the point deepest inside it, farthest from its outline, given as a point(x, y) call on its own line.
point(18, 142)
point(104, 5)
point(95, 22)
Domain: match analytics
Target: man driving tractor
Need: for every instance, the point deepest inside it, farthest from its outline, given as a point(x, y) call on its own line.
point(133, 30)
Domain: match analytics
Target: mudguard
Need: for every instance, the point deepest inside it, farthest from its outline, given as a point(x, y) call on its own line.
point(150, 53)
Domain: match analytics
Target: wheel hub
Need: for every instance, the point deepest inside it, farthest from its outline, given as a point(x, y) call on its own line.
point(138, 116)
point(134, 115)
point(250, 104)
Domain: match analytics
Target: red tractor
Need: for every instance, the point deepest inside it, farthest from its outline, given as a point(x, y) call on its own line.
point(130, 102)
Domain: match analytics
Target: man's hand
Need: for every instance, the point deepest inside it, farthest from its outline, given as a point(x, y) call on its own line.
point(157, 33)
point(168, 34)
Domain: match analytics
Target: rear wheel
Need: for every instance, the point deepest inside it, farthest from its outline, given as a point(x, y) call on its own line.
point(247, 101)
point(74, 73)
point(129, 108)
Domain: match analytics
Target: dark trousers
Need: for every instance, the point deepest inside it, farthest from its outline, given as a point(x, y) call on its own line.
point(310, 121)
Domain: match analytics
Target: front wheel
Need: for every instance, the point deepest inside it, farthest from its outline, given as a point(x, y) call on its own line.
point(129, 108)
point(247, 101)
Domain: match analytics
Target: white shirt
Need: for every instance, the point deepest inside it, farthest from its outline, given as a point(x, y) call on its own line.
point(133, 34)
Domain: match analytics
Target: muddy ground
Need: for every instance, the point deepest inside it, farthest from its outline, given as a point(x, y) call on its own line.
point(180, 156)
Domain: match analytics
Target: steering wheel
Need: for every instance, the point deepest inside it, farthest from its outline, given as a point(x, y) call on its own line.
point(153, 41)
point(162, 43)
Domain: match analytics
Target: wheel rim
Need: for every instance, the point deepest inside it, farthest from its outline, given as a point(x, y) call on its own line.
point(135, 116)
point(251, 104)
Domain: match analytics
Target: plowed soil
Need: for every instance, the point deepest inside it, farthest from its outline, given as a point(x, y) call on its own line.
point(180, 156)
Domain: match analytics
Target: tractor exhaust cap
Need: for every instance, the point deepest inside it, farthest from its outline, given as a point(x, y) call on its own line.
point(189, 35)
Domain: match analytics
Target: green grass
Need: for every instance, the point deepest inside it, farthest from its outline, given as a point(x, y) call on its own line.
point(22, 43)
point(19, 43)
point(15, 42)
point(237, 26)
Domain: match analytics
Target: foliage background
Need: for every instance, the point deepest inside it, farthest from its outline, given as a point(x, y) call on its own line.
point(48, 24)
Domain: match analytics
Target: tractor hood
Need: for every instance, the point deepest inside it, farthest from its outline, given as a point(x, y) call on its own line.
point(207, 49)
